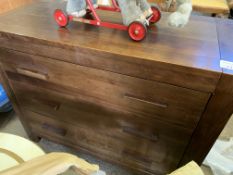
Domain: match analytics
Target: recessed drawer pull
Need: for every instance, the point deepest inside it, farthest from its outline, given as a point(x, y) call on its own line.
point(136, 156)
point(31, 73)
point(54, 129)
point(146, 101)
point(54, 105)
point(152, 137)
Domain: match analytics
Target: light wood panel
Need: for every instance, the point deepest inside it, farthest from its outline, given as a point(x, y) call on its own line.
point(7, 5)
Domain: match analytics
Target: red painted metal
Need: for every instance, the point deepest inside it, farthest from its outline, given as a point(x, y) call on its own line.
point(137, 31)
point(115, 5)
point(114, 26)
point(92, 9)
point(100, 23)
point(61, 18)
point(108, 8)
point(156, 15)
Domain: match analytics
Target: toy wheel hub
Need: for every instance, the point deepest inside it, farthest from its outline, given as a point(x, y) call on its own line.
point(61, 18)
point(137, 31)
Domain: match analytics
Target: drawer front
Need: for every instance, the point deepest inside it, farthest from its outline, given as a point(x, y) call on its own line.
point(193, 78)
point(80, 110)
point(142, 97)
point(126, 147)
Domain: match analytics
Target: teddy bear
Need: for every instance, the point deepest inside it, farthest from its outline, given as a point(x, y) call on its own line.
point(137, 10)
point(78, 8)
point(166, 5)
point(134, 10)
point(140, 10)
point(181, 16)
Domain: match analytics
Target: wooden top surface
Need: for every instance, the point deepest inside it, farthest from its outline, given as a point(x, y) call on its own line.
point(195, 45)
point(225, 37)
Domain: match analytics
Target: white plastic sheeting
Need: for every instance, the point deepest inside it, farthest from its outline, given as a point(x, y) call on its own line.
point(220, 158)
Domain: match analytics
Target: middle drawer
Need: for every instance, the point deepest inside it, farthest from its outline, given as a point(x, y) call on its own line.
point(142, 97)
point(149, 142)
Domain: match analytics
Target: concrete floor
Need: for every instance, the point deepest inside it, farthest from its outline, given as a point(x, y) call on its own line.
point(10, 123)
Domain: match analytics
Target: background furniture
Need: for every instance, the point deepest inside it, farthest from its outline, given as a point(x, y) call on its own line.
point(191, 168)
point(15, 150)
point(7, 5)
point(211, 6)
point(67, 164)
point(54, 164)
point(220, 8)
point(149, 106)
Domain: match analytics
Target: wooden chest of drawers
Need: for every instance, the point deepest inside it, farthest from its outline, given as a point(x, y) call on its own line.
point(149, 106)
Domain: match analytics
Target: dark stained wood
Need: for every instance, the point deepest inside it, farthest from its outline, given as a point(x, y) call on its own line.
point(142, 97)
point(193, 52)
point(82, 111)
point(218, 112)
point(149, 106)
point(220, 107)
point(16, 105)
point(121, 146)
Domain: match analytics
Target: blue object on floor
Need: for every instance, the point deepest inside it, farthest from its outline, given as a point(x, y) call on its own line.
point(5, 105)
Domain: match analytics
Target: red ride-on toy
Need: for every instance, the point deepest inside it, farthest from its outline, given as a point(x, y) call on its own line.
point(136, 30)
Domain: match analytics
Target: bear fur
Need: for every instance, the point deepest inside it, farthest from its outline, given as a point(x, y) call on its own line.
point(137, 10)
point(134, 10)
point(181, 16)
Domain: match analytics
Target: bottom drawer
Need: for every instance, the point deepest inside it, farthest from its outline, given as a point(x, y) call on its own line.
point(151, 156)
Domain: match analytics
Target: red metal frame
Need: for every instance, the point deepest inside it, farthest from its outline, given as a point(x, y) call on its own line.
point(97, 21)
point(136, 30)
point(114, 8)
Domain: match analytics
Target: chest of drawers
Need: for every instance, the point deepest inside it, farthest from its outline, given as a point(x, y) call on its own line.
point(149, 106)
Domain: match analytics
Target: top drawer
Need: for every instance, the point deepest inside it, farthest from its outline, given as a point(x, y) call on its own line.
point(158, 60)
point(142, 97)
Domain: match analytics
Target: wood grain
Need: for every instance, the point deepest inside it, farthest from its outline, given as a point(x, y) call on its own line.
point(7, 5)
point(216, 115)
point(53, 163)
point(220, 107)
point(150, 106)
point(124, 148)
point(142, 97)
point(156, 58)
point(15, 104)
